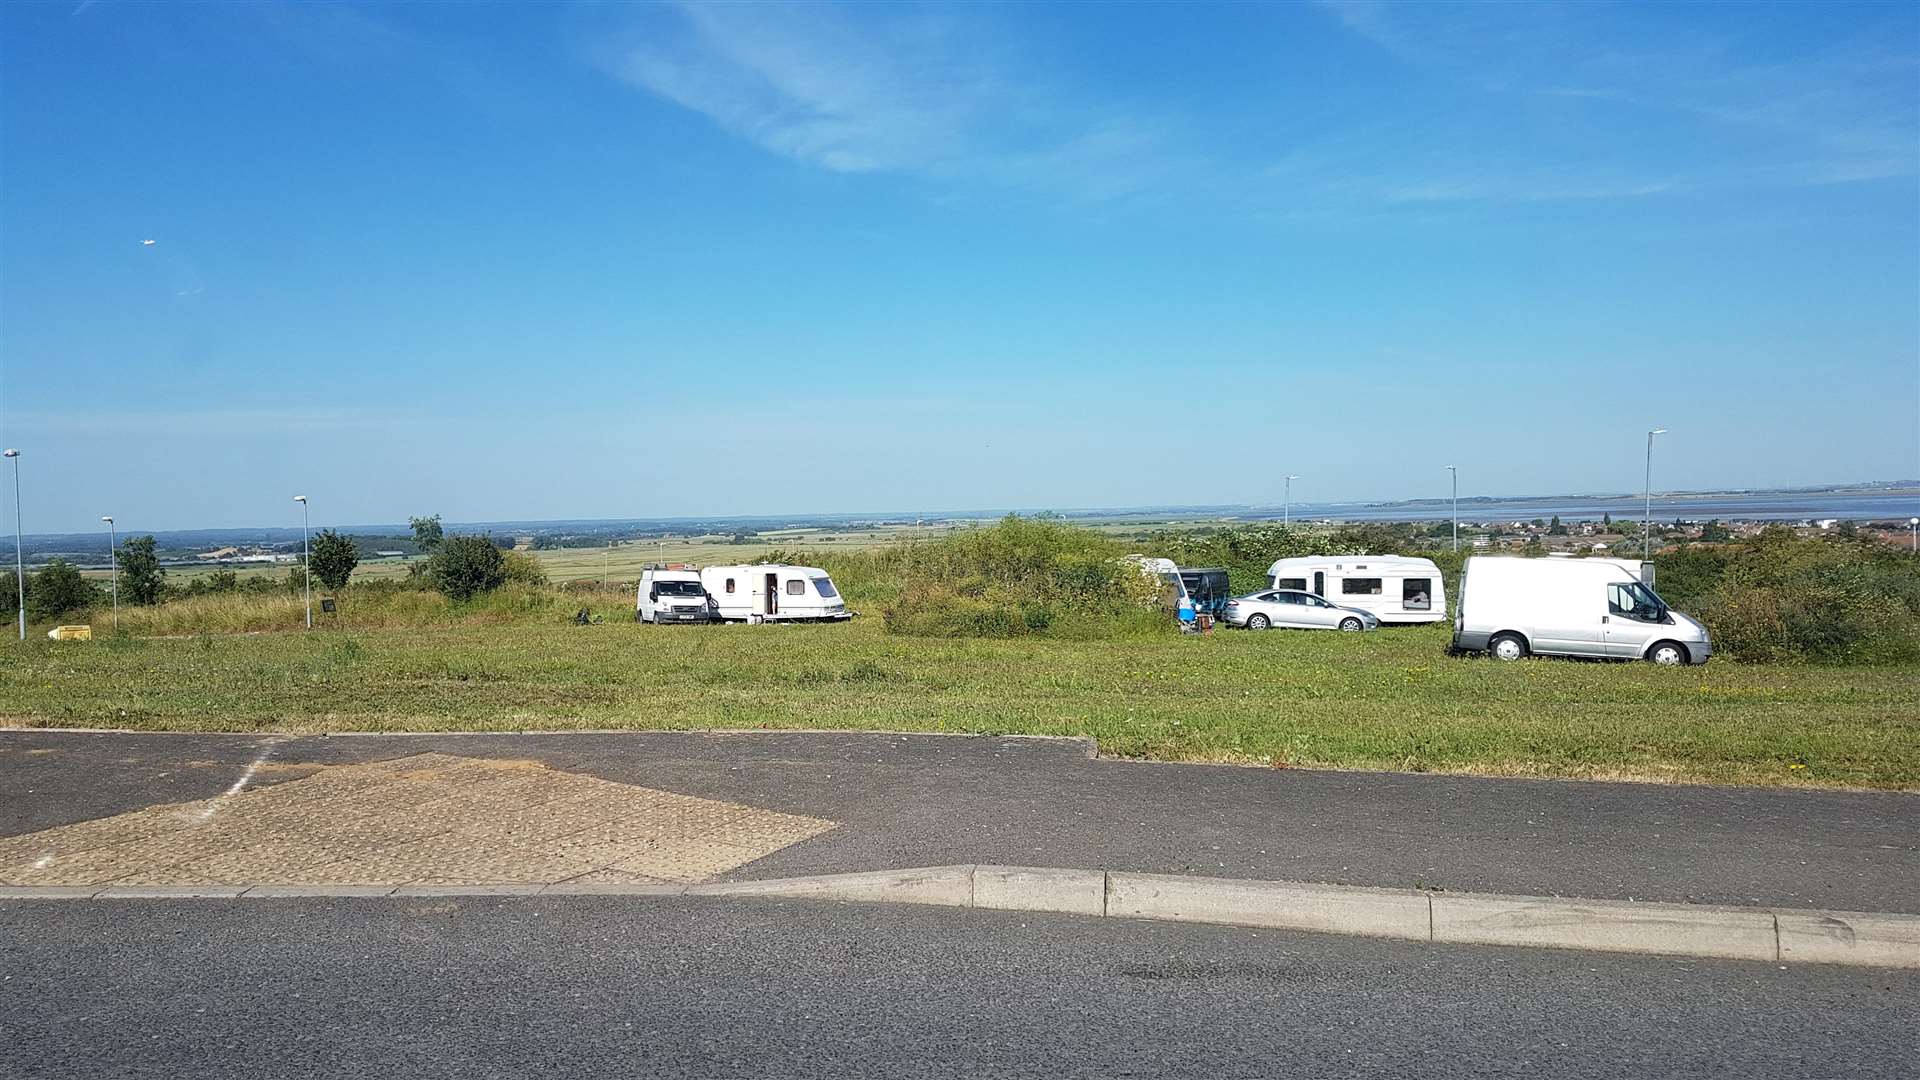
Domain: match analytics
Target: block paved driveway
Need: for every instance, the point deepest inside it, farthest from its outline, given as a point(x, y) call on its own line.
point(681, 806)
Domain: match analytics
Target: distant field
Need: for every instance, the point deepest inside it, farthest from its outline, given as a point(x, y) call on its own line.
point(1387, 700)
point(622, 562)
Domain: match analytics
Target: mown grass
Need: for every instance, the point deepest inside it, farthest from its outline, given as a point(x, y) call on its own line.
point(1386, 700)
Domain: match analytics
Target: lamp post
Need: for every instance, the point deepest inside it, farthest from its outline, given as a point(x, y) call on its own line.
point(113, 561)
point(1286, 512)
point(1914, 524)
point(304, 558)
point(19, 561)
point(1454, 471)
point(1646, 525)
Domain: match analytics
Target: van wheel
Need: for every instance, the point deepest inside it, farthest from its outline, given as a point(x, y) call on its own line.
point(1508, 647)
point(1351, 626)
point(1258, 622)
point(1668, 653)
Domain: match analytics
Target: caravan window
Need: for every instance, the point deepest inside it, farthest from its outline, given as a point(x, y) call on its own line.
point(729, 584)
point(1290, 583)
point(796, 586)
point(824, 586)
point(1362, 586)
point(1416, 594)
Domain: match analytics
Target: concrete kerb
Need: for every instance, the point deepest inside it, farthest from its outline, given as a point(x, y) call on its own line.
point(1780, 936)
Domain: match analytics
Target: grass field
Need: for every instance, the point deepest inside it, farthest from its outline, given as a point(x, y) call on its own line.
point(1386, 700)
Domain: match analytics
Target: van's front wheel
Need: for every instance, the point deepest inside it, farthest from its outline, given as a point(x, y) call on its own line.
point(1668, 653)
point(1508, 647)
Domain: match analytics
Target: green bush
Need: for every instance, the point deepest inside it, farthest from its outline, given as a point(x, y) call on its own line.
point(1783, 597)
point(521, 568)
point(333, 559)
point(1020, 577)
point(463, 566)
point(57, 590)
point(142, 579)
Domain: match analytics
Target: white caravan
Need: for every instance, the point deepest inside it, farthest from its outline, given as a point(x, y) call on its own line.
point(672, 594)
point(774, 592)
point(1394, 588)
point(1511, 607)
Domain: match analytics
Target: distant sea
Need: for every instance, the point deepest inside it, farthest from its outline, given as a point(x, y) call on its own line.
point(1758, 506)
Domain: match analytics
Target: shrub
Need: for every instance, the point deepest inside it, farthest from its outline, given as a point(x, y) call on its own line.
point(1022, 576)
point(57, 589)
point(1782, 597)
point(462, 566)
point(333, 559)
point(522, 569)
point(142, 579)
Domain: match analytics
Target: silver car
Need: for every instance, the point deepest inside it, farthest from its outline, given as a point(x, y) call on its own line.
point(1295, 608)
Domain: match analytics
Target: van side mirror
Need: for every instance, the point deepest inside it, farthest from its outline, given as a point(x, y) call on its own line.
point(653, 594)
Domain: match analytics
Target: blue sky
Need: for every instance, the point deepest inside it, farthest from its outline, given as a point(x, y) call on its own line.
point(616, 260)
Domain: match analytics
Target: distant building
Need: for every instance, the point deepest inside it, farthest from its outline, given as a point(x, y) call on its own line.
point(388, 554)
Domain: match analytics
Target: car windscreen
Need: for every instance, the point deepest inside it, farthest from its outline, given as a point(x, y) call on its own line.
point(824, 586)
point(678, 588)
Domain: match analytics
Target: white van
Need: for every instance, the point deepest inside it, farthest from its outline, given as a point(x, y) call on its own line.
point(672, 594)
point(1394, 588)
point(1603, 608)
point(774, 592)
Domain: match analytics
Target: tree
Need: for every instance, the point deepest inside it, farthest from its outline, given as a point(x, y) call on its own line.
point(333, 559)
point(427, 533)
point(58, 589)
point(1556, 529)
point(465, 565)
point(1606, 520)
point(142, 578)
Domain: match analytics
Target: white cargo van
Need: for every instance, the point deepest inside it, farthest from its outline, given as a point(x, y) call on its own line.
point(1394, 588)
point(1511, 607)
point(774, 592)
point(672, 594)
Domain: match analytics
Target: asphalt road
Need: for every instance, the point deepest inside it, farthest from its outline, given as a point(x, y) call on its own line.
point(588, 987)
point(921, 800)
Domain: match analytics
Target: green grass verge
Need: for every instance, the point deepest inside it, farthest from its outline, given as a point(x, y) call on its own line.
point(1386, 700)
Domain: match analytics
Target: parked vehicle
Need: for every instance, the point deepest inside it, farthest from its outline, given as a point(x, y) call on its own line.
point(1205, 587)
point(1296, 609)
point(1606, 608)
point(672, 594)
point(1395, 588)
point(774, 592)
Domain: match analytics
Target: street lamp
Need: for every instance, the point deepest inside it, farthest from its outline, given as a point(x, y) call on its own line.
point(1286, 512)
point(1914, 524)
point(1646, 526)
point(19, 563)
point(1455, 471)
point(304, 558)
point(113, 560)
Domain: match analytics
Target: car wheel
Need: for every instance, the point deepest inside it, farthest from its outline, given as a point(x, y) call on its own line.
point(1258, 622)
point(1508, 647)
point(1668, 653)
point(1351, 626)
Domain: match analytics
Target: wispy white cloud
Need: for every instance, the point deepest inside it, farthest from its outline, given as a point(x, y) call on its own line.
point(896, 91)
point(1839, 113)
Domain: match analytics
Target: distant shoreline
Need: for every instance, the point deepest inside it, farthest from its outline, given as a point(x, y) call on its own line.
point(1878, 501)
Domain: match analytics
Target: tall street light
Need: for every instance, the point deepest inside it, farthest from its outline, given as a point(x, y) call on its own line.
point(1914, 524)
point(19, 561)
point(1286, 513)
point(304, 559)
point(1646, 525)
point(1455, 471)
point(113, 560)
